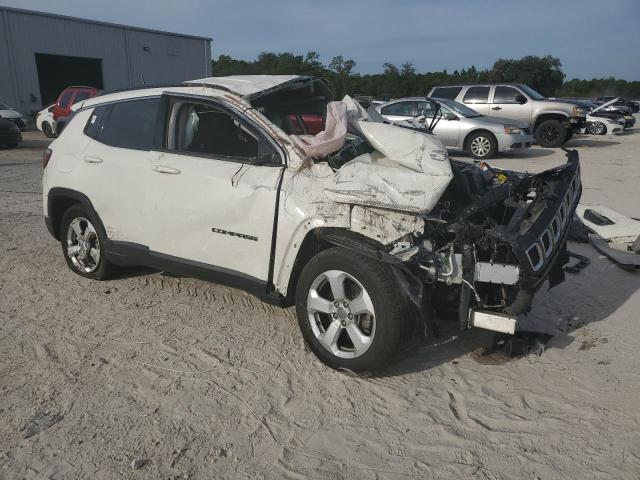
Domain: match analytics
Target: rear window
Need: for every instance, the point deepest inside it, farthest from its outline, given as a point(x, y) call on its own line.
point(125, 124)
point(80, 96)
point(65, 99)
point(476, 95)
point(446, 92)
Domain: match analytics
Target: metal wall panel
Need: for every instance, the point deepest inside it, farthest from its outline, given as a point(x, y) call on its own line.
point(167, 58)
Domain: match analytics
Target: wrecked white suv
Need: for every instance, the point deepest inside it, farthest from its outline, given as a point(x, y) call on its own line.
point(367, 227)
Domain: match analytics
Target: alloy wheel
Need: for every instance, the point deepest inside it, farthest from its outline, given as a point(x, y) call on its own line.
point(480, 146)
point(341, 314)
point(83, 245)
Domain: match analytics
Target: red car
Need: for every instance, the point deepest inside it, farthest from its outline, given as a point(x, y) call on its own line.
point(69, 96)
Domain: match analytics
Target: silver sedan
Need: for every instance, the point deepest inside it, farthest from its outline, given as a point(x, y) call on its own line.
point(461, 128)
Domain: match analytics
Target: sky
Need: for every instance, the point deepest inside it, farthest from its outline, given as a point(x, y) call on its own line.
point(592, 38)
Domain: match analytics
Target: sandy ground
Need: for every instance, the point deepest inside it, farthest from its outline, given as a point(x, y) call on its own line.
point(200, 381)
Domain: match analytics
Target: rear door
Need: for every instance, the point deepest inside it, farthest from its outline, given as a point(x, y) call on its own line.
point(398, 111)
point(506, 105)
point(477, 98)
point(115, 165)
point(211, 191)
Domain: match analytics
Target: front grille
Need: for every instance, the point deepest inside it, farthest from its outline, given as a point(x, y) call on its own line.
point(553, 235)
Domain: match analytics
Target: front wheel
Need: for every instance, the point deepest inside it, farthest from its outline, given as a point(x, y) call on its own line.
point(47, 130)
point(551, 133)
point(482, 145)
point(83, 245)
point(348, 311)
point(597, 128)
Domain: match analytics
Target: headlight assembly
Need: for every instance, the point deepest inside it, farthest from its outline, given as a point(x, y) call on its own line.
point(512, 130)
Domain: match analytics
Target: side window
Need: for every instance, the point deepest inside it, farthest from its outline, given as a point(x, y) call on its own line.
point(126, 124)
point(208, 130)
point(65, 99)
point(400, 108)
point(505, 95)
point(94, 124)
point(476, 95)
point(425, 108)
point(80, 96)
point(449, 93)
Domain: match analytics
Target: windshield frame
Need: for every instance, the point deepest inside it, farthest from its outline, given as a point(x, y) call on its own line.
point(457, 108)
point(532, 93)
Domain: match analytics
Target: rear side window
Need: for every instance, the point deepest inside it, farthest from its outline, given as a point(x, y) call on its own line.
point(505, 95)
point(446, 92)
point(400, 108)
point(65, 99)
point(476, 95)
point(125, 124)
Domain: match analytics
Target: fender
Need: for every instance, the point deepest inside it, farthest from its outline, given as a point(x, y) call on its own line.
point(55, 212)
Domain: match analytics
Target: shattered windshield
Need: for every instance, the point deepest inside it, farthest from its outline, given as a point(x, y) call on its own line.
point(458, 108)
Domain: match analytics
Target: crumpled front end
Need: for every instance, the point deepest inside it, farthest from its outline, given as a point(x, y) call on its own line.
point(493, 239)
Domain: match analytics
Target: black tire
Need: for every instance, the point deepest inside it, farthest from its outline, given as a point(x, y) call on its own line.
point(103, 268)
point(487, 140)
point(391, 327)
point(551, 134)
point(47, 130)
point(569, 135)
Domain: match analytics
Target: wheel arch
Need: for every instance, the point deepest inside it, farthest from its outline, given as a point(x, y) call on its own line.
point(323, 238)
point(465, 143)
point(543, 117)
point(59, 200)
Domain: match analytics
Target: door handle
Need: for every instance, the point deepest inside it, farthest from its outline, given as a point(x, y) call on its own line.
point(93, 159)
point(164, 169)
point(496, 108)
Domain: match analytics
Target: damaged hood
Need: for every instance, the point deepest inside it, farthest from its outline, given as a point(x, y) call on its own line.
point(248, 85)
point(408, 171)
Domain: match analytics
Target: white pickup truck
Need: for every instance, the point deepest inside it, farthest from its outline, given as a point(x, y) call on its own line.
point(266, 184)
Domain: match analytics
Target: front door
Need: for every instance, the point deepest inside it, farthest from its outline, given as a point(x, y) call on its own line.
point(505, 104)
point(211, 194)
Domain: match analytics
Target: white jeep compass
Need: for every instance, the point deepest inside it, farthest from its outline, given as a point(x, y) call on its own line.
point(265, 183)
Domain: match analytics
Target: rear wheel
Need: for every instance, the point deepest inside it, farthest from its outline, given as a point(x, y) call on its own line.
point(551, 133)
point(83, 244)
point(348, 311)
point(482, 145)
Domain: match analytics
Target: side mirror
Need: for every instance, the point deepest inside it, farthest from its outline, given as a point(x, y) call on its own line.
point(451, 116)
point(521, 99)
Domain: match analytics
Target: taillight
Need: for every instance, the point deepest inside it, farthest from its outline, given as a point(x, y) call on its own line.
point(46, 156)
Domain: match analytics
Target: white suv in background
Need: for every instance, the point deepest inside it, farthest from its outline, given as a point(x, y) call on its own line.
point(365, 226)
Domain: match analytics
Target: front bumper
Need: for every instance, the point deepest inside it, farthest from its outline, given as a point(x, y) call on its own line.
point(577, 123)
point(509, 142)
point(538, 232)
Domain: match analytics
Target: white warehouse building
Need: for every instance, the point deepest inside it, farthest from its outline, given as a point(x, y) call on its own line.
point(42, 53)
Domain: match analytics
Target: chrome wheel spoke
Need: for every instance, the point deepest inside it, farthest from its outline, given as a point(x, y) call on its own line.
point(316, 303)
point(75, 225)
point(361, 304)
point(336, 282)
point(94, 253)
point(330, 336)
point(72, 250)
point(360, 340)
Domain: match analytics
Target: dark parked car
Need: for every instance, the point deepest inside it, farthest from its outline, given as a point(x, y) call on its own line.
point(634, 106)
point(10, 135)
